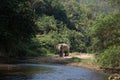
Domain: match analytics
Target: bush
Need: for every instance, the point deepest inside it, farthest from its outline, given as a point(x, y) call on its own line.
point(77, 41)
point(41, 47)
point(110, 57)
point(105, 32)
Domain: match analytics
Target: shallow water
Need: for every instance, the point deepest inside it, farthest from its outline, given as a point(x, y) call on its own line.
point(50, 72)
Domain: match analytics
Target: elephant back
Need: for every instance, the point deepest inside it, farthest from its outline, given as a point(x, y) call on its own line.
point(58, 46)
point(64, 47)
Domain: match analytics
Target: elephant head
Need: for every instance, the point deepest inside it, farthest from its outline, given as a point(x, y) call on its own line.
point(63, 49)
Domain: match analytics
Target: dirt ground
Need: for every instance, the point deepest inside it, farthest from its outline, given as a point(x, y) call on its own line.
point(66, 60)
point(74, 59)
point(85, 61)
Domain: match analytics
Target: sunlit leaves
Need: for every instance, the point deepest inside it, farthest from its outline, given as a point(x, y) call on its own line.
point(110, 57)
point(46, 24)
point(107, 30)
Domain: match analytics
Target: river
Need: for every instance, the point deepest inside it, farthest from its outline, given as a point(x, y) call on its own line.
point(50, 72)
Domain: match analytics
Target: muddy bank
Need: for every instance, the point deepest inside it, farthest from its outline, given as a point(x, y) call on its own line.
point(72, 60)
point(79, 60)
point(82, 60)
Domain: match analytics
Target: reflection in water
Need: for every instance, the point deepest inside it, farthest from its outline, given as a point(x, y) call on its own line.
point(23, 70)
point(50, 72)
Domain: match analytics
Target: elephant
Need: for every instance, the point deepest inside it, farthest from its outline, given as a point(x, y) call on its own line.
point(63, 49)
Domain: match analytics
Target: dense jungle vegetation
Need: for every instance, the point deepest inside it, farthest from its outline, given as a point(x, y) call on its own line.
point(34, 27)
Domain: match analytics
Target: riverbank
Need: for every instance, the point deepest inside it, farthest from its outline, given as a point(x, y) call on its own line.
point(74, 59)
point(79, 60)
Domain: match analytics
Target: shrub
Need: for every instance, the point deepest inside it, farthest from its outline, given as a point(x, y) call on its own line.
point(110, 57)
point(105, 32)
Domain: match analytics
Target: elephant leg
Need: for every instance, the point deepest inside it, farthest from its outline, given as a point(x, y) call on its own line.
point(61, 54)
point(66, 53)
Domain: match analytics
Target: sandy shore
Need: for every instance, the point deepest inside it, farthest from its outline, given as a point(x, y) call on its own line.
point(66, 60)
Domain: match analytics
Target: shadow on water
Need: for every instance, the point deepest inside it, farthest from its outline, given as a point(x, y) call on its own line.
point(23, 70)
point(49, 72)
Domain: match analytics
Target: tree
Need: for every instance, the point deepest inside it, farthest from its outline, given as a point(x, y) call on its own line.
point(110, 57)
point(53, 8)
point(16, 24)
point(115, 3)
point(105, 32)
point(46, 24)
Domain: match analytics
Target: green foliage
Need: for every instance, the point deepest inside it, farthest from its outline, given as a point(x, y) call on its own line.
point(61, 36)
point(54, 19)
point(105, 32)
point(58, 21)
point(16, 24)
point(53, 8)
point(74, 59)
point(110, 57)
point(77, 41)
point(46, 44)
point(76, 15)
point(41, 46)
point(115, 3)
point(46, 24)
